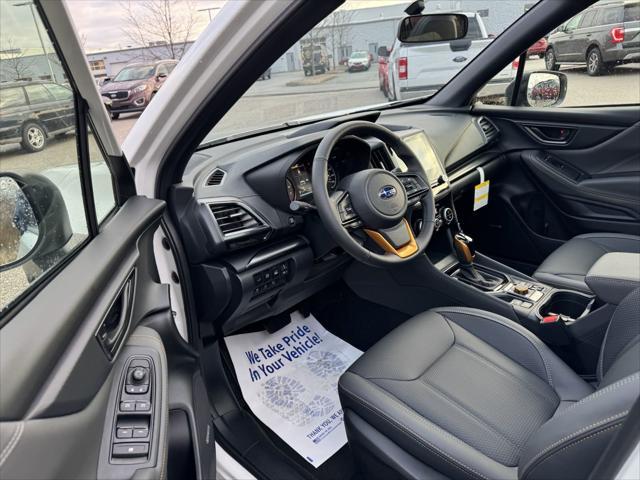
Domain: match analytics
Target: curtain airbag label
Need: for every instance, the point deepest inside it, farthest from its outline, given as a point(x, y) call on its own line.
point(289, 379)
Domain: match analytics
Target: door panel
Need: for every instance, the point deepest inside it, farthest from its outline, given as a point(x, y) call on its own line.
point(550, 191)
point(60, 388)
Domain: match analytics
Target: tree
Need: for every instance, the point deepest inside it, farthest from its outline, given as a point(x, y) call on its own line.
point(340, 29)
point(163, 24)
point(14, 61)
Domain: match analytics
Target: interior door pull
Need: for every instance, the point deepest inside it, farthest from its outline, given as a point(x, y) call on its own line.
point(116, 322)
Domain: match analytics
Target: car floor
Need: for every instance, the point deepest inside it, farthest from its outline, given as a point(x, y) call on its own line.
point(358, 322)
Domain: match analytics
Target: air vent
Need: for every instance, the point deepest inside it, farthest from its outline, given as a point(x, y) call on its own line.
point(216, 177)
point(236, 221)
point(380, 159)
point(489, 129)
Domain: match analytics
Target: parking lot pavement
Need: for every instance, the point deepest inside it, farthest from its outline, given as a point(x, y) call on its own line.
point(271, 102)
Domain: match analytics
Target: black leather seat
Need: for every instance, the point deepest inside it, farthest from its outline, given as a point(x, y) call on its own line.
point(568, 265)
point(462, 393)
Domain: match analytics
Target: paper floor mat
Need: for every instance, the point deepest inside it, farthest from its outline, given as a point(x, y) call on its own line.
point(289, 379)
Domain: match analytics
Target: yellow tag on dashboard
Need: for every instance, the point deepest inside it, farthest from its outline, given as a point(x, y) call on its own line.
point(481, 195)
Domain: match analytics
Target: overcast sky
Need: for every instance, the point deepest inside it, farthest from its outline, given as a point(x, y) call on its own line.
point(100, 23)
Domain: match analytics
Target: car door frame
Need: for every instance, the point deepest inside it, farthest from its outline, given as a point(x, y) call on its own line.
point(58, 395)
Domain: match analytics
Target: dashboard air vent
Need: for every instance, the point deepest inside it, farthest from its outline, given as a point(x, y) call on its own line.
point(235, 220)
point(380, 159)
point(216, 177)
point(489, 129)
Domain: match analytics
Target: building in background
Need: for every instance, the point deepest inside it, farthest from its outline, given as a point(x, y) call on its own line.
point(344, 32)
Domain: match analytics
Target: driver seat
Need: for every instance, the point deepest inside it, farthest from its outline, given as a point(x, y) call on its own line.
point(466, 394)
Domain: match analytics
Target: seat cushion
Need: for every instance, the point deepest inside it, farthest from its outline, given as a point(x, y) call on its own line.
point(459, 403)
point(568, 265)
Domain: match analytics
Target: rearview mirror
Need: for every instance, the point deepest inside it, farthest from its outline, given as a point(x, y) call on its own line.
point(541, 89)
point(443, 27)
point(34, 221)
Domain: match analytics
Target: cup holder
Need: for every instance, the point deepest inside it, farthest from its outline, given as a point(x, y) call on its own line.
point(568, 304)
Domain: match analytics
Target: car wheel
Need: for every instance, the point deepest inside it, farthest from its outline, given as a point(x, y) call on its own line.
point(595, 65)
point(34, 138)
point(115, 116)
point(550, 60)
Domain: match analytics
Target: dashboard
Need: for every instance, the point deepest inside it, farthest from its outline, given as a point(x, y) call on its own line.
point(258, 256)
point(348, 156)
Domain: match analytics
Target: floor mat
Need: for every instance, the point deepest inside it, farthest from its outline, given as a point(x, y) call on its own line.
point(289, 379)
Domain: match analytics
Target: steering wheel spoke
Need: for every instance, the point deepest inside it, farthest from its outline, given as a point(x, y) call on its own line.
point(398, 240)
point(342, 203)
point(415, 185)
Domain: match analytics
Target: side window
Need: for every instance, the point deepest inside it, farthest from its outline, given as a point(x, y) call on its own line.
point(573, 23)
point(588, 19)
point(43, 220)
point(611, 16)
point(59, 92)
point(38, 93)
point(11, 97)
point(575, 71)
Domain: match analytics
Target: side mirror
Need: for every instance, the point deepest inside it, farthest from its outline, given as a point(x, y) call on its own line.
point(383, 52)
point(540, 89)
point(161, 75)
point(106, 80)
point(34, 222)
point(442, 27)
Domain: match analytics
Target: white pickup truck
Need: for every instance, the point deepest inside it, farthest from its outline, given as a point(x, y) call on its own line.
point(418, 69)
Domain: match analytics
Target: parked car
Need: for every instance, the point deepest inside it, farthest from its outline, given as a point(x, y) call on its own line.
point(602, 37)
point(538, 49)
point(134, 86)
point(420, 65)
point(359, 61)
point(33, 112)
point(266, 75)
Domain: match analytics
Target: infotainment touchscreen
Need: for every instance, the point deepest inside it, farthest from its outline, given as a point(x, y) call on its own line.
point(419, 143)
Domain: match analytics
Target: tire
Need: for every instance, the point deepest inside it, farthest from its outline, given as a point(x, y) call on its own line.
point(115, 116)
point(550, 60)
point(34, 138)
point(595, 64)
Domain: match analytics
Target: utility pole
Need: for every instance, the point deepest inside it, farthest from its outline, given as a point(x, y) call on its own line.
point(35, 21)
point(208, 10)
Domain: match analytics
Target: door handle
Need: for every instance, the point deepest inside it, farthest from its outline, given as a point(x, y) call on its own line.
point(115, 324)
point(460, 59)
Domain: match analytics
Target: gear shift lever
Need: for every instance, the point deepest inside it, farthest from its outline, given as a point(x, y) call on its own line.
point(465, 250)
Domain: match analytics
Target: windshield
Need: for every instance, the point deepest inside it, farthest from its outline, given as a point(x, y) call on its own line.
point(134, 73)
point(329, 82)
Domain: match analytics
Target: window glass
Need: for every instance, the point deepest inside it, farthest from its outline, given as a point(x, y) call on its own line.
point(42, 213)
point(588, 18)
point(319, 73)
point(11, 97)
point(611, 15)
point(59, 92)
point(596, 75)
point(37, 93)
point(573, 23)
point(101, 179)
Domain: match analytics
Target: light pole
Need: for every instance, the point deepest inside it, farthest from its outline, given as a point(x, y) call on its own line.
point(208, 10)
point(35, 21)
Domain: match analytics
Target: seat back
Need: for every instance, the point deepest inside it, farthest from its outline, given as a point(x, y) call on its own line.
point(572, 441)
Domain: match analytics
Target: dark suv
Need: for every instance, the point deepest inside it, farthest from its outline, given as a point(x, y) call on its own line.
point(134, 86)
point(33, 112)
point(602, 36)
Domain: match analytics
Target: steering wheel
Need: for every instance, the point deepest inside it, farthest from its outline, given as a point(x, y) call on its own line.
point(374, 202)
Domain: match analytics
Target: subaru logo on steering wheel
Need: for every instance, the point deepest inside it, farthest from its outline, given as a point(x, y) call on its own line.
point(386, 192)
